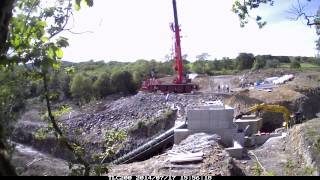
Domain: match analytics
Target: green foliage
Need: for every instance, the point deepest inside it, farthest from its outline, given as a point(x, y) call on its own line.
point(259, 63)
point(270, 173)
point(62, 110)
point(199, 67)
point(273, 63)
point(42, 134)
point(289, 168)
point(257, 170)
point(242, 8)
point(81, 88)
point(308, 171)
point(244, 61)
point(123, 82)
point(295, 64)
point(149, 127)
point(113, 141)
point(13, 92)
point(102, 86)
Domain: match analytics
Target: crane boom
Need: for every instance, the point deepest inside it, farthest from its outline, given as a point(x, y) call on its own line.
point(178, 54)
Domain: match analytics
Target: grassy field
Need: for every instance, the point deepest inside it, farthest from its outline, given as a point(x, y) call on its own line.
point(303, 65)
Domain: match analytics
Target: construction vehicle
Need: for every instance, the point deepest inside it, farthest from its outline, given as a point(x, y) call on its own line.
point(289, 119)
point(180, 84)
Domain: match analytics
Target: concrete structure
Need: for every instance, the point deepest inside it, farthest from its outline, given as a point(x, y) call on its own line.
point(213, 118)
point(250, 124)
point(217, 118)
point(236, 151)
point(181, 134)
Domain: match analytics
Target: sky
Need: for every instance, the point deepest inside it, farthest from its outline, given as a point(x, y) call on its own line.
point(128, 30)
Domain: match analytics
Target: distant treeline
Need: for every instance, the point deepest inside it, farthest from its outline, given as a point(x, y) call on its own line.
point(91, 80)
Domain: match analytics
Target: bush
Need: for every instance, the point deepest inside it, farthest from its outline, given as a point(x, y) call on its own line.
point(102, 86)
point(122, 81)
point(244, 61)
point(272, 63)
point(295, 64)
point(259, 63)
point(81, 88)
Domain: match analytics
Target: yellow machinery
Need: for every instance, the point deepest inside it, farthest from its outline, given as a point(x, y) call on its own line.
point(272, 108)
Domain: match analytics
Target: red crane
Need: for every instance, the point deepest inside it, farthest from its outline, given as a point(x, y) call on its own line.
point(180, 84)
point(178, 56)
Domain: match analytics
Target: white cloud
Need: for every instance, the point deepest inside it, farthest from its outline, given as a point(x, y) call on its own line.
point(128, 30)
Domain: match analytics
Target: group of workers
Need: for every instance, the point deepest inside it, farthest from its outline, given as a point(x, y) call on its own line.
point(223, 88)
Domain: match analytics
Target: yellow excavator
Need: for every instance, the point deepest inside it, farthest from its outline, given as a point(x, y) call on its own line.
point(289, 118)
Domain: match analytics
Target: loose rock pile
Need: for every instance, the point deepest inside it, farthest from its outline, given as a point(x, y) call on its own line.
point(126, 111)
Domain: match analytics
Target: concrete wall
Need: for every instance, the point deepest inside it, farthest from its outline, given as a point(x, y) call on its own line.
point(210, 119)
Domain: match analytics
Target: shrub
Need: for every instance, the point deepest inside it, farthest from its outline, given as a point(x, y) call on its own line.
point(295, 64)
point(123, 82)
point(102, 86)
point(81, 88)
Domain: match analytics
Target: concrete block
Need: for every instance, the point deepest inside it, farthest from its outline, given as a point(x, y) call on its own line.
point(236, 151)
point(254, 123)
point(181, 134)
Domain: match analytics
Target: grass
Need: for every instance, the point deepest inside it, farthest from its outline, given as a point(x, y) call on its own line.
point(257, 170)
point(308, 65)
point(303, 66)
point(313, 136)
point(289, 168)
point(308, 171)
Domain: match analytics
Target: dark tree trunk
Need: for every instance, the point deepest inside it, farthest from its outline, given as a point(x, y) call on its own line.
point(6, 6)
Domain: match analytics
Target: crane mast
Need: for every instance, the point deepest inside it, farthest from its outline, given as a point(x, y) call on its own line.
point(178, 55)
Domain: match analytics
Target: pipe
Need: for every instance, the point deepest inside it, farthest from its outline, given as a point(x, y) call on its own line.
point(150, 146)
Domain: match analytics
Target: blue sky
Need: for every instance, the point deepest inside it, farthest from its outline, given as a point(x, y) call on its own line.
point(127, 30)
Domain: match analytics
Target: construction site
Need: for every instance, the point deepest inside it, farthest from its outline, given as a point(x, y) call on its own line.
point(262, 122)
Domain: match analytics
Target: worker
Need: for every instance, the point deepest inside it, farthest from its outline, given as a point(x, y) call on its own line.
point(219, 88)
point(167, 98)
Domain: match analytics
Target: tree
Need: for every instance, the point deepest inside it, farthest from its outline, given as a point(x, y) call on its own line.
point(33, 39)
point(6, 6)
point(295, 64)
point(244, 61)
point(243, 8)
point(272, 63)
point(185, 57)
point(102, 86)
point(81, 88)
point(199, 67)
point(228, 63)
point(202, 57)
point(259, 63)
point(123, 82)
